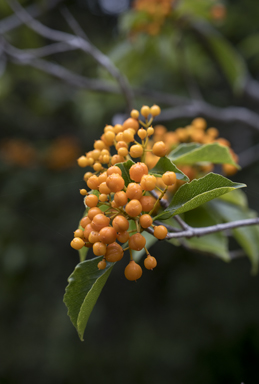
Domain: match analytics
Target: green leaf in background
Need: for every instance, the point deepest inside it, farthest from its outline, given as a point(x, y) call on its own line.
point(150, 240)
point(236, 197)
point(197, 153)
point(125, 167)
point(198, 192)
point(231, 63)
point(163, 165)
point(83, 290)
point(247, 237)
point(215, 243)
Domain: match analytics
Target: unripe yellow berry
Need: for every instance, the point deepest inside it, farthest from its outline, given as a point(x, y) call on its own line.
point(82, 161)
point(123, 152)
point(134, 114)
point(136, 150)
point(97, 167)
point(99, 144)
point(145, 111)
point(155, 110)
point(142, 133)
point(150, 131)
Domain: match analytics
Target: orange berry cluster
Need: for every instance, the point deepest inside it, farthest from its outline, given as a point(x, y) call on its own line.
point(196, 132)
point(112, 205)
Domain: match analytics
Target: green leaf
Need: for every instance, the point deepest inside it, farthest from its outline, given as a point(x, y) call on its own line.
point(196, 153)
point(163, 165)
point(150, 240)
point(236, 197)
point(247, 237)
point(125, 167)
point(215, 243)
point(83, 290)
point(198, 192)
point(230, 61)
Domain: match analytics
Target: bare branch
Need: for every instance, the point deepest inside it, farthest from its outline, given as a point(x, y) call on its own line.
point(220, 115)
point(12, 22)
point(72, 22)
point(76, 42)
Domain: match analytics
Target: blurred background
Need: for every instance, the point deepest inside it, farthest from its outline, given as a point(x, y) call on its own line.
point(194, 319)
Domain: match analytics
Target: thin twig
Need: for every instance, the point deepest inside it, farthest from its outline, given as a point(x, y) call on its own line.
point(192, 232)
point(35, 10)
point(77, 42)
point(73, 23)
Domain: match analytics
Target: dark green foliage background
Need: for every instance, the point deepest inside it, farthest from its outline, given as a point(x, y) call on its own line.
point(192, 320)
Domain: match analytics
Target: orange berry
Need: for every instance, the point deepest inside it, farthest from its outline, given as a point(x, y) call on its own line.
point(148, 182)
point(169, 178)
point(99, 144)
point(102, 178)
point(137, 171)
point(150, 131)
point(84, 221)
point(113, 169)
point(117, 159)
point(121, 144)
point(100, 221)
point(87, 175)
point(93, 212)
point(87, 231)
point(223, 141)
point(155, 110)
point(136, 150)
point(79, 233)
point(118, 128)
point(119, 137)
point(200, 123)
point(160, 232)
point(137, 242)
point(103, 188)
point(145, 221)
point(91, 200)
point(97, 167)
point(108, 128)
point(147, 203)
point(133, 271)
point(115, 182)
point(133, 208)
point(123, 237)
point(134, 114)
point(103, 197)
point(93, 237)
point(159, 149)
point(134, 191)
point(101, 265)
point(213, 132)
point(120, 198)
point(131, 123)
point(142, 133)
point(145, 111)
point(120, 223)
point(99, 249)
point(123, 152)
point(82, 162)
point(93, 182)
point(83, 192)
point(150, 262)
point(77, 243)
point(128, 136)
point(105, 159)
point(107, 235)
point(109, 137)
point(95, 154)
point(114, 252)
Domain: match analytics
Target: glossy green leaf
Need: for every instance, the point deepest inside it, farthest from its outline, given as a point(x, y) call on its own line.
point(247, 237)
point(198, 192)
point(125, 167)
point(83, 290)
point(150, 240)
point(197, 153)
point(163, 165)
